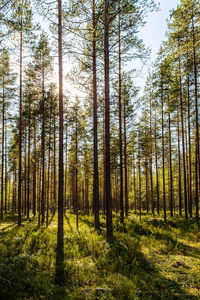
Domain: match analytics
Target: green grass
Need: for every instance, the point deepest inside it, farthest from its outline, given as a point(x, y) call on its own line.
point(148, 260)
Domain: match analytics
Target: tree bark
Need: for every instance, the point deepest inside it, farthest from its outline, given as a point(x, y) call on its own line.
point(96, 172)
point(157, 175)
point(179, 167)
point(107, 124)
point(2, 159)
point(20, 135)
point(60, 245)
point(183, 140)
point(163, 156)
point(197, 163)
point(151, 162)
point(170, 167)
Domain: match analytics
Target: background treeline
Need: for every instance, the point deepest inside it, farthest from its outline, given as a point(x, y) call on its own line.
point(153, 139)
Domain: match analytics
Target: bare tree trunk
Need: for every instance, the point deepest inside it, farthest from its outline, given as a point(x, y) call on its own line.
point(120, 125)
point(43, 149)
point(6, 171)
point(96, 172)
point(60, 245)
point(125, 165)
point(24, 207)
point(34, 172)
point(140, 196)
point(179, 167)
point(107, 125)
point(54, 163)
point(48, 173)
point(157, 175)
point(147, 185)
point(163, 157)
point(197, 163)
point(170, 167)
point(76, 173)
point(29, 148)
point(2, 160)
point(20, 136)
point(150, 161)
point(183, 140)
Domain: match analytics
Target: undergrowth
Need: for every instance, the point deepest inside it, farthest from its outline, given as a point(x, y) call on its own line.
point(147, 260)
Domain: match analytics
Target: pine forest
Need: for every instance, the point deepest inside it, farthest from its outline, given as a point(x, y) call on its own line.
point(99, 178)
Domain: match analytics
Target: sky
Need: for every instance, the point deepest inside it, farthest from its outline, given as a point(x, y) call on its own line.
point(153, 34)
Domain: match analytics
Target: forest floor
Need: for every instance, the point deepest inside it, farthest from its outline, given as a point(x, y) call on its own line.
point(148, 259)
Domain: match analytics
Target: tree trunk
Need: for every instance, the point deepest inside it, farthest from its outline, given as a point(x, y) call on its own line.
point(197, 163)
point(125, 165)
point(34, 172)
point(43, 149)
point(96, 172)
point(120, 125)
point(179, 167)
point(2, 160)
point(54, 168)
point(150, 163)
point(20, 135)
point(183, 140)
point(107, 125)
point(6, 171)
point(76, 173)
point(29, 148)
point(170, 167)
point(48, 172)
point(60, 244)
point(189, 146)
point(24, 207)
point(163, 156)
point(157, 175)
point(140, 196)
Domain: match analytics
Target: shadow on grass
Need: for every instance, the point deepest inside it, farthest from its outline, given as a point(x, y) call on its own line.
point(140, 277)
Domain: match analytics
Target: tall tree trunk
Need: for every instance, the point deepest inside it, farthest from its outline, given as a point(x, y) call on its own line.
point(183, 140)
point(189, 146)
point(107, 125)
point(20, 135)
point(151, 163)
point(134, 181)
point(76, 173)
point(86, 181)
point(66, 171)
point(170, 166)
point(120, 125)
point(48, 172)
point(2, 160)
point(25, 175)
point(179, 167)
point(125, 165)
point(34, 172)
point(6, 171)
point(96, 172)
point(163, 156)
point(43, 149)
point(140, 196)
point(197, 163)
point(54, 168)
point(157, 175)
point(29, 148)
point(60, 245)
point(147, 185)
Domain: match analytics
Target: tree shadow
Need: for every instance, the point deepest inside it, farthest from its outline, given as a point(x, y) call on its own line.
point(125, 257)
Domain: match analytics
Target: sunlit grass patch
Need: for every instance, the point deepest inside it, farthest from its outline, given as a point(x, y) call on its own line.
point(148, 259)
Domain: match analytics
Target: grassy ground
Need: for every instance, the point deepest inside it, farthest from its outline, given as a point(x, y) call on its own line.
point(148, 260)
